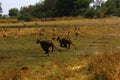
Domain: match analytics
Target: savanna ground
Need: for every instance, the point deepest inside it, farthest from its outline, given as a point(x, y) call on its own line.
point(96, 57)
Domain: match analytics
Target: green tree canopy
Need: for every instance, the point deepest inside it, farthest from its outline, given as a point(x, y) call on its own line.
point(13, 12)
point(60, 8)
point(65, 7)
point(0, 9)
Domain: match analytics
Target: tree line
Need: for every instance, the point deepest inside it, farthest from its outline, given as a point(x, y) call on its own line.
point(61, 8)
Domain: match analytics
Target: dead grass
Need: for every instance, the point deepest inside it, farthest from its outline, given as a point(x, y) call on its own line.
point(104, 66)
point(100, 66)
point(4, 57)
point(108, 26)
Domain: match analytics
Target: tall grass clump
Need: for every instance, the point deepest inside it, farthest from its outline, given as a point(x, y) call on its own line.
point(104, 66)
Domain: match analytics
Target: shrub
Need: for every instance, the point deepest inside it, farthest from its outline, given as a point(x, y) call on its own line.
point(25, 17)
point(100, 13)
point(90, 13)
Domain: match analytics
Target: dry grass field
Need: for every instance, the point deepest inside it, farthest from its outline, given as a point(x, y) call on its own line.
point(96, 57)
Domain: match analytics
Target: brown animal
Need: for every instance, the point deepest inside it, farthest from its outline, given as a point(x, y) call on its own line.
point(5, 29)
point(16, 35)
point(5, 36)
point(65, 42)
point(46, 44)
point(76, 35)
point(54, 29)
point(41, 33)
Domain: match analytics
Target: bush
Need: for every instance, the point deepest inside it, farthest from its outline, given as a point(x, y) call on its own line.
point(90, 13)
point(25, 17)
point(14, 12)
point(117, 12)
point(100, 13)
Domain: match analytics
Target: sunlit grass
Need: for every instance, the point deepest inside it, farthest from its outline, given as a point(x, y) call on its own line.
point(95, 36)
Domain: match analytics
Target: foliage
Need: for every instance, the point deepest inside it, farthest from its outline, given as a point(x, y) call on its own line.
point(81, 6)
point(65, 7)
point(61, 8)
point(50, 8)
point(107, 9)
point(0, 10)
point(38, 10)
point(13, 12)
point(25, 17)
point(90, 13)
point(26, 10)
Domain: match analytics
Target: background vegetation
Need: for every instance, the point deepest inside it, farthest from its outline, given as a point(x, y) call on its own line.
point(62, 8)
